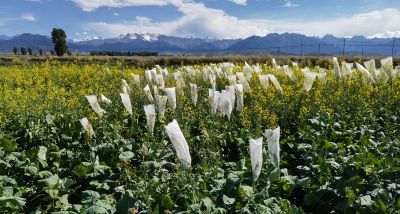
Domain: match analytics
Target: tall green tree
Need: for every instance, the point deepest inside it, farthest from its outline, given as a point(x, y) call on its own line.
point(60, 41)
point(23, 51)
point(30, 51)
point(41, 52)
point(15, 50)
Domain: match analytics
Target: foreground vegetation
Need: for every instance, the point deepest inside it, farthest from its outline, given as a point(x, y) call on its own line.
point(339, 140)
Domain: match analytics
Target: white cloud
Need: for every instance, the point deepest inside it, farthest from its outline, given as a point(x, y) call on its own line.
point(198, 20)
point(290, 4)
point(28, 17)
point(239, 2)
point(116, 14)
point(90, 5)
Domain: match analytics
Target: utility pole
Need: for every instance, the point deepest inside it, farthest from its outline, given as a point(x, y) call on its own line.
point(362, 51)
point(301, 48)
point(394, 41)
point(344, 45)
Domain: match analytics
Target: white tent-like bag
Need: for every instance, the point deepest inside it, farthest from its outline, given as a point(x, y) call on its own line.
point(150, 112)
point(256, 157)
point(239, 97)
point(263, 81)
point(126, 101)
point(193, 93)
point(231, 90)
point(104, 99)
point(336, 68)
point(225, 104)
point(148, 93)
point(275, 65)
point(247, 71)
point(153, 73)
point(87, 126)
point(289, 72)
point(171, 94)
point(365, 73)
point(387, 66)
point(273, 145)
point(213, 97)
point(125, 87)
point(136, 78)
point(162, 105)
point(275, 82)
point(95, 104)
point(160, 80)
point(147, 74)
point(243, 81)
point(232, 79)
point(309, 78)
point(179, 142)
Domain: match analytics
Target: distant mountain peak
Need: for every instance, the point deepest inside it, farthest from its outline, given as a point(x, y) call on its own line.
point(143, 36)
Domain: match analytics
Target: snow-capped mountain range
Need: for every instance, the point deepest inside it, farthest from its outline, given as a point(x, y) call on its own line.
point(286, 43)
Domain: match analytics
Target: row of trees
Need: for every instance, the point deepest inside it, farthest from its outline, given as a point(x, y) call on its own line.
point(60, 45)
point(25, 51)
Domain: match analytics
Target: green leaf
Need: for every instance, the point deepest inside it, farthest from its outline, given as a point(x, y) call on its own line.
point(90, 197)
point(127, 201)
point(166, 202)
point(124, 156)
point(95, 210)
point(7, 144)
point(245, 191)
point(227, 200)
point(208, 203)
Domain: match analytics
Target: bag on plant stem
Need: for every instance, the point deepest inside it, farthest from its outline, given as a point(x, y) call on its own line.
point(273, 145)
point(256, 157)
point(150, 112)
point(171, 94)
point(87, 126)
point(95, 104)
point(179, 142)
point(126, 101)
point(193, 93)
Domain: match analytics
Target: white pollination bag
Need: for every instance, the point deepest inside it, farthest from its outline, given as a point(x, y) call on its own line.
point(162, 105)
point(309, 78)
point(153, 73)
point(150, 112)
point(365, 73)
point(160, 80)
point(179, 142)
point(136, 78)
point(95, 104)
point(264, 82)
point(87, 126)
point(171, 94)
point(147, 74)
point(321, 75)
point(225, 103)
point(242, 80)
point(336, 68)
point(193, 93)
point(273, 145)
point(104, 99)
point(247, 71)
point(275, 65)
point(387, 66)
point(289, 73)
point(275, 82)
point(346, 68)
point(126, 101)
point(256, 157)
point(126, 89)
point(148, 93)
point(231, 90)
point(370, 66)
point(239, 97)
point(232, 79)
point(213, 97)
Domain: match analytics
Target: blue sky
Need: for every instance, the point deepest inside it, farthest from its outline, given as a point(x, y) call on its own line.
point(201, 18)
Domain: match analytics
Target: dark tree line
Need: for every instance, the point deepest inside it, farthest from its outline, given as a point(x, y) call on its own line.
point(118, 53)
point(28, 51)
